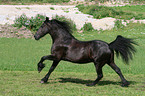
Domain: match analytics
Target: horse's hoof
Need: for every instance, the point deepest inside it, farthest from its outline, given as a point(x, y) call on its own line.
point(126, 84)
point(40, 67)
point(42, 82)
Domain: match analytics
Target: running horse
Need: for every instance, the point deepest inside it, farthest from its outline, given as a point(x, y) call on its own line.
point(66, 47)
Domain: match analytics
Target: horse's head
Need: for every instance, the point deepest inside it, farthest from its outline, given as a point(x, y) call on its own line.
point(43, 30)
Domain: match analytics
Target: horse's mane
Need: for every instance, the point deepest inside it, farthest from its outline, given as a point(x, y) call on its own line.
point(64, 25)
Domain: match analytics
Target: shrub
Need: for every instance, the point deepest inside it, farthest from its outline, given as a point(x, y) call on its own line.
point(52, 8)
point(118, 25)
point(87, 27)
point(21, 21)
point(32, 23)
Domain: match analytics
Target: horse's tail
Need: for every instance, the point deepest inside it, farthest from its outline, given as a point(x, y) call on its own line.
point(123, 47)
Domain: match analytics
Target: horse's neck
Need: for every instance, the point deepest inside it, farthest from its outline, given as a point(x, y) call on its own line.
point(61, 35)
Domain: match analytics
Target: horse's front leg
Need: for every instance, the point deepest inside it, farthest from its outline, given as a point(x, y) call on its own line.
point(41, 65)
point(45, 79)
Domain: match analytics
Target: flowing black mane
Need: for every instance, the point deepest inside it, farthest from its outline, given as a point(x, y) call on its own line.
point(63, 25)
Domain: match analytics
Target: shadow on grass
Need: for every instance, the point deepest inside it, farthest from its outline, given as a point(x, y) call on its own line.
point(80, 81)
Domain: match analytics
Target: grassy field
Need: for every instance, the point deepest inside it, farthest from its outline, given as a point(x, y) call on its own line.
point(120, 12)
point(19, 76)
point(26, 83)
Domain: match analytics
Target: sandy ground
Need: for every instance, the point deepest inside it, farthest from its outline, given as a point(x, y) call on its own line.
point(10, 12)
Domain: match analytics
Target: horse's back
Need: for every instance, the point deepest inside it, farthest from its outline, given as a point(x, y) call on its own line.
point(86, 51)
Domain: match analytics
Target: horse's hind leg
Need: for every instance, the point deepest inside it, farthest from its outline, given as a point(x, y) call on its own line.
point(118, 71)
point(45, 79)
point(98, 67)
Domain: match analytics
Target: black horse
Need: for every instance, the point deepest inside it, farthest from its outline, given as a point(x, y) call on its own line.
point(66, 47)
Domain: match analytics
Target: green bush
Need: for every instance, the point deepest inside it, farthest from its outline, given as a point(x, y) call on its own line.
point(20, 21)
point(118, 25)
point(32, 23)
point(87, 27)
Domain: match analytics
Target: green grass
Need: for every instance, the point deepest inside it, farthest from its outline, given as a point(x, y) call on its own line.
point(19, 76)
point(125, 1)
point(26, 83)
point(124, 12)
point(137, 10)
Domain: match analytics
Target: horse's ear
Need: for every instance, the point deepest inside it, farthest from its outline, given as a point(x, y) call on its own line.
point(47, 18)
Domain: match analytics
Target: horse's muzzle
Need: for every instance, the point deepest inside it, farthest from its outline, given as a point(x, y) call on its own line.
point(36, 37)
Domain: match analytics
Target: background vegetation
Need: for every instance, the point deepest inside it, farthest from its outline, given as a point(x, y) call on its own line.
point(66, 1)
point(125, 12)
point(34, 23)
point(119, 1)
point(32, 1)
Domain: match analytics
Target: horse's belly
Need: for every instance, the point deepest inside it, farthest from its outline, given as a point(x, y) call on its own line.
point(80, 61)
point(78, 58)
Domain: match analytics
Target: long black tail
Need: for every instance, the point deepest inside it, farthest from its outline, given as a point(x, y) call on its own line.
point(123, 47)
